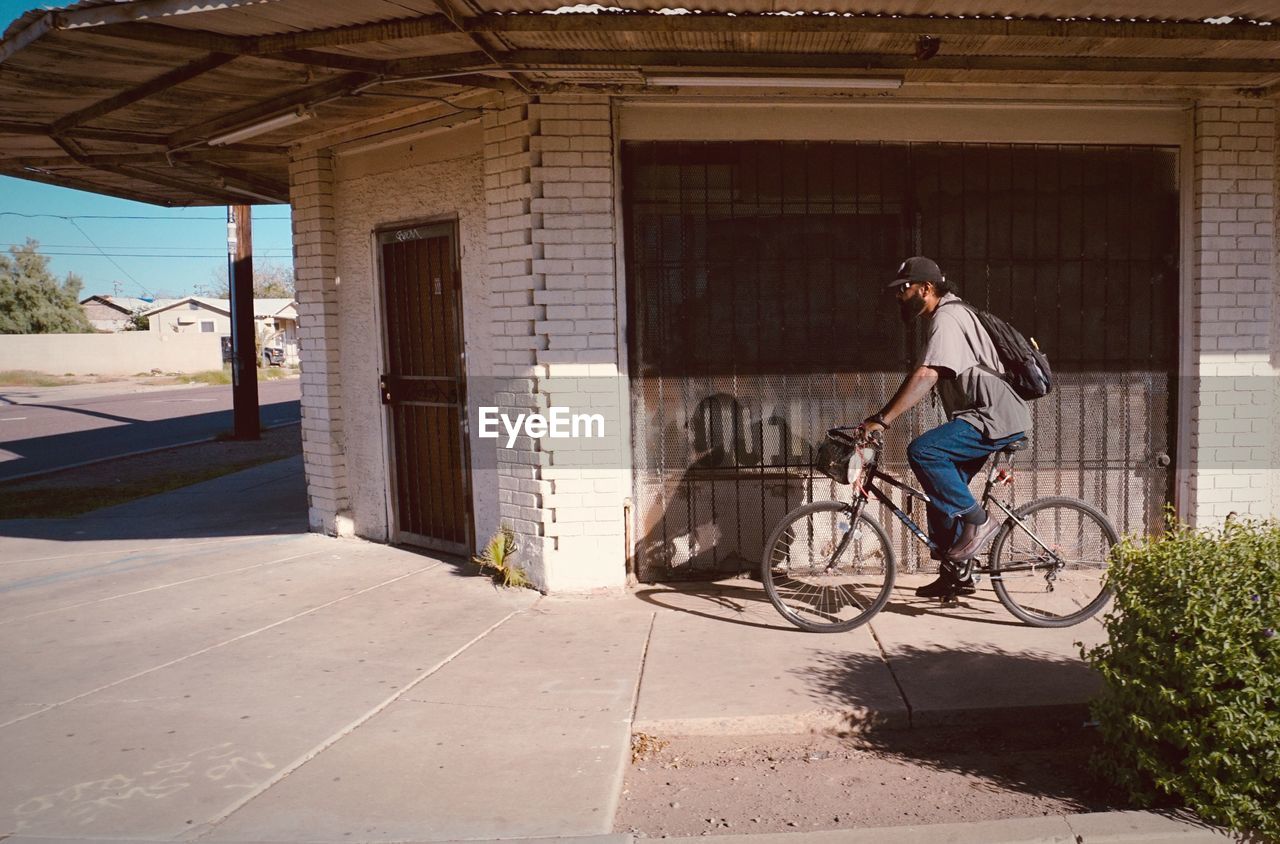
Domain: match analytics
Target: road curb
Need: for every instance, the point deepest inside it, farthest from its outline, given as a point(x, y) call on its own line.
point(860, 720)
point(137, 453)
point(1095, 828)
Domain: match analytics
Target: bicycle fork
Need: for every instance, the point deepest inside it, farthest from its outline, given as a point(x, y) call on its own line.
point(855, 510)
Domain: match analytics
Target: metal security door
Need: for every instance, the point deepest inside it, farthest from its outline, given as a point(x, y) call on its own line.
point(424, 388)
point(755, 274)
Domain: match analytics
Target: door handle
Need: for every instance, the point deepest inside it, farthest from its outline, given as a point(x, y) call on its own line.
point(1163, 460)
point(385, 389)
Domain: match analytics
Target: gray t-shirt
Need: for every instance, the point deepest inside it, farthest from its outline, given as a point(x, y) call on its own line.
point(957, 345)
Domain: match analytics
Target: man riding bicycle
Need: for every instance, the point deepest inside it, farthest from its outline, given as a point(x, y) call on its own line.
point(984, 415)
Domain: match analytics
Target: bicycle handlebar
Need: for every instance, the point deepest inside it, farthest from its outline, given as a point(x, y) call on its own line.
point(858, 437)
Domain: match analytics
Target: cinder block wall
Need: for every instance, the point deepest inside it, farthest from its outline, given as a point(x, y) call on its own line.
point(432, 178)
point(552, 230)
point(315, 274)
point(1235, 439)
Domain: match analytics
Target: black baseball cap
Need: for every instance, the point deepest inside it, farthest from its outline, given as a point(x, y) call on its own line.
point(918, 268)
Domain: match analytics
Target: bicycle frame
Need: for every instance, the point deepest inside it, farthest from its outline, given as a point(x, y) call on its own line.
point(997, 474)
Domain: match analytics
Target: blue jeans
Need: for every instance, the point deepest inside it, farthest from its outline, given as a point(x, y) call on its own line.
point(945, 459)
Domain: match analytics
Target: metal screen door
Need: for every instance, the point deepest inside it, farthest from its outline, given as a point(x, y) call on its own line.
point(424, 387)
point(757, 320)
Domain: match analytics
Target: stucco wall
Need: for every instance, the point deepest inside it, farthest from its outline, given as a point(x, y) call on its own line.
point(184, 320)
point(126, 353)
point(438, 177)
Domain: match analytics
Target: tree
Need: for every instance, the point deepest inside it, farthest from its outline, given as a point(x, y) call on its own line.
point(138, 321)
point(32, 301)
point(270, 281)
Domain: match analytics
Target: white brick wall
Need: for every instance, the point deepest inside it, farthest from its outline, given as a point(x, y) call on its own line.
point(433, 178)
point(315, 257)
point(552, 230)
point(1234, 437)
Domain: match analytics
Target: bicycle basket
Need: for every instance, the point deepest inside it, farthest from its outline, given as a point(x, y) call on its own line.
point(837, 457)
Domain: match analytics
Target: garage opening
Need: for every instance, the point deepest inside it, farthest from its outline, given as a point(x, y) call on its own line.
point(757, 320)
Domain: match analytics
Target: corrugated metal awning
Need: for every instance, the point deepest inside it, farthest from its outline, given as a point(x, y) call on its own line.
point(181, 102)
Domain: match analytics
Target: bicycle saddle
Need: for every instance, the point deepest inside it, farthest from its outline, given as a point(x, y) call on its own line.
point(1015, 447)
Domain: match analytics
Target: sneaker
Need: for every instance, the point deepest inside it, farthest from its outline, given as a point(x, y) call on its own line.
point(949, 583)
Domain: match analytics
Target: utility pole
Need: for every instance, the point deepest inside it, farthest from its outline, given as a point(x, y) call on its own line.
point(244, 356)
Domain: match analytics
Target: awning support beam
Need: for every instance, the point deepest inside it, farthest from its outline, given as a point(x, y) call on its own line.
point(689, 59)
point(331, 89)
point(161, 83)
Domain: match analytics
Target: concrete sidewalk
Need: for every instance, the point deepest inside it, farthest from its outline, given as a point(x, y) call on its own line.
point(194, 667)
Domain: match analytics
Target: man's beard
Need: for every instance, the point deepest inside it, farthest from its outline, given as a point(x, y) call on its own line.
point(911, 308)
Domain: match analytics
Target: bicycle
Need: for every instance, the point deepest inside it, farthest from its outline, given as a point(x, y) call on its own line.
point(829, 566)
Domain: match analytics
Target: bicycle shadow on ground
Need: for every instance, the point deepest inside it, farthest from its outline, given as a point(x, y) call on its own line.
point(982, 607)
point(743, 601)
point(737, 601)
point(1002, 719)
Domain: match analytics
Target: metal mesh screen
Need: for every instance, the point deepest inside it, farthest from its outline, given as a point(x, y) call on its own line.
point(757, 320)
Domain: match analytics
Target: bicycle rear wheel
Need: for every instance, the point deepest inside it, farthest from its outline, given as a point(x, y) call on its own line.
point(826, 573)
point(1060, 586)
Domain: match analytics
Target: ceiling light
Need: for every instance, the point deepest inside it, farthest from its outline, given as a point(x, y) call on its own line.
point(262, 127)
point(777, 81)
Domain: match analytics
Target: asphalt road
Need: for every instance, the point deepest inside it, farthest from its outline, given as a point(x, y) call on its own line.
point(49, 428)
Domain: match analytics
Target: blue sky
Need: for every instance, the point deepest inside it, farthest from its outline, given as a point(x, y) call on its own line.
point(168, 255)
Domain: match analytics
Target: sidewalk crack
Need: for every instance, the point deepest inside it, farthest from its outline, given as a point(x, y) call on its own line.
point(884, 657)
point(211, 825)
point(221, 644)
point(644, 662)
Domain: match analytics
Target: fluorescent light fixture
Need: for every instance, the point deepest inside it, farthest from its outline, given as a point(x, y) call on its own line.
point(886, 82)
point(262, 127)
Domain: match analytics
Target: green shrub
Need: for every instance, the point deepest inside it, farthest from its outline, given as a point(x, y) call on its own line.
point(497, 556)
point(1190, 709)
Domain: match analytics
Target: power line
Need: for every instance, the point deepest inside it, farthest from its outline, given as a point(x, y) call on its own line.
point(124, 217)
point(137, 255)
point(140, 285)
point(45, 246)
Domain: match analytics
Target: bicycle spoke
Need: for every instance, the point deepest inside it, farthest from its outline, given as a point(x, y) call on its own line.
point(817, 589)
point(1056, 577)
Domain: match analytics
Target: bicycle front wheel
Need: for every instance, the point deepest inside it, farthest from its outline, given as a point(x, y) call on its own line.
point(1048, 571)
point(825, 572)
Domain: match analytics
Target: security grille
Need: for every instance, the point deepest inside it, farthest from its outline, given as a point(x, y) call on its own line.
point(757, 319)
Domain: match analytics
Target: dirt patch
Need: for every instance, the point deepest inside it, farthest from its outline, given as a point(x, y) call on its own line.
point(71, 492)
point(30, 378)
point(733, 785)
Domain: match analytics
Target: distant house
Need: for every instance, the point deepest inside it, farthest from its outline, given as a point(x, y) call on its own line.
point(192, 315)
point(275, 320)
point(112, 313)
point(281, 317)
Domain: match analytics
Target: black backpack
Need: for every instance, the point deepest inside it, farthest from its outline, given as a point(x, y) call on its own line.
point(1026, 368)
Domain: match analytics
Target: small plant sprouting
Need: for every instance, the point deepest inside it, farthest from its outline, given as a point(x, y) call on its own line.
point(498, 555)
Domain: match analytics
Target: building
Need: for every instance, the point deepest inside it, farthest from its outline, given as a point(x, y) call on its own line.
point(113, 313)
point(681, 222)
point(191, 315)
point(275, 320)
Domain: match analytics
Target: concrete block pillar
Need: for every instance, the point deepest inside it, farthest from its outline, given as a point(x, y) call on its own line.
point(549, 186)
point(316, 277)
point(1234, 435)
